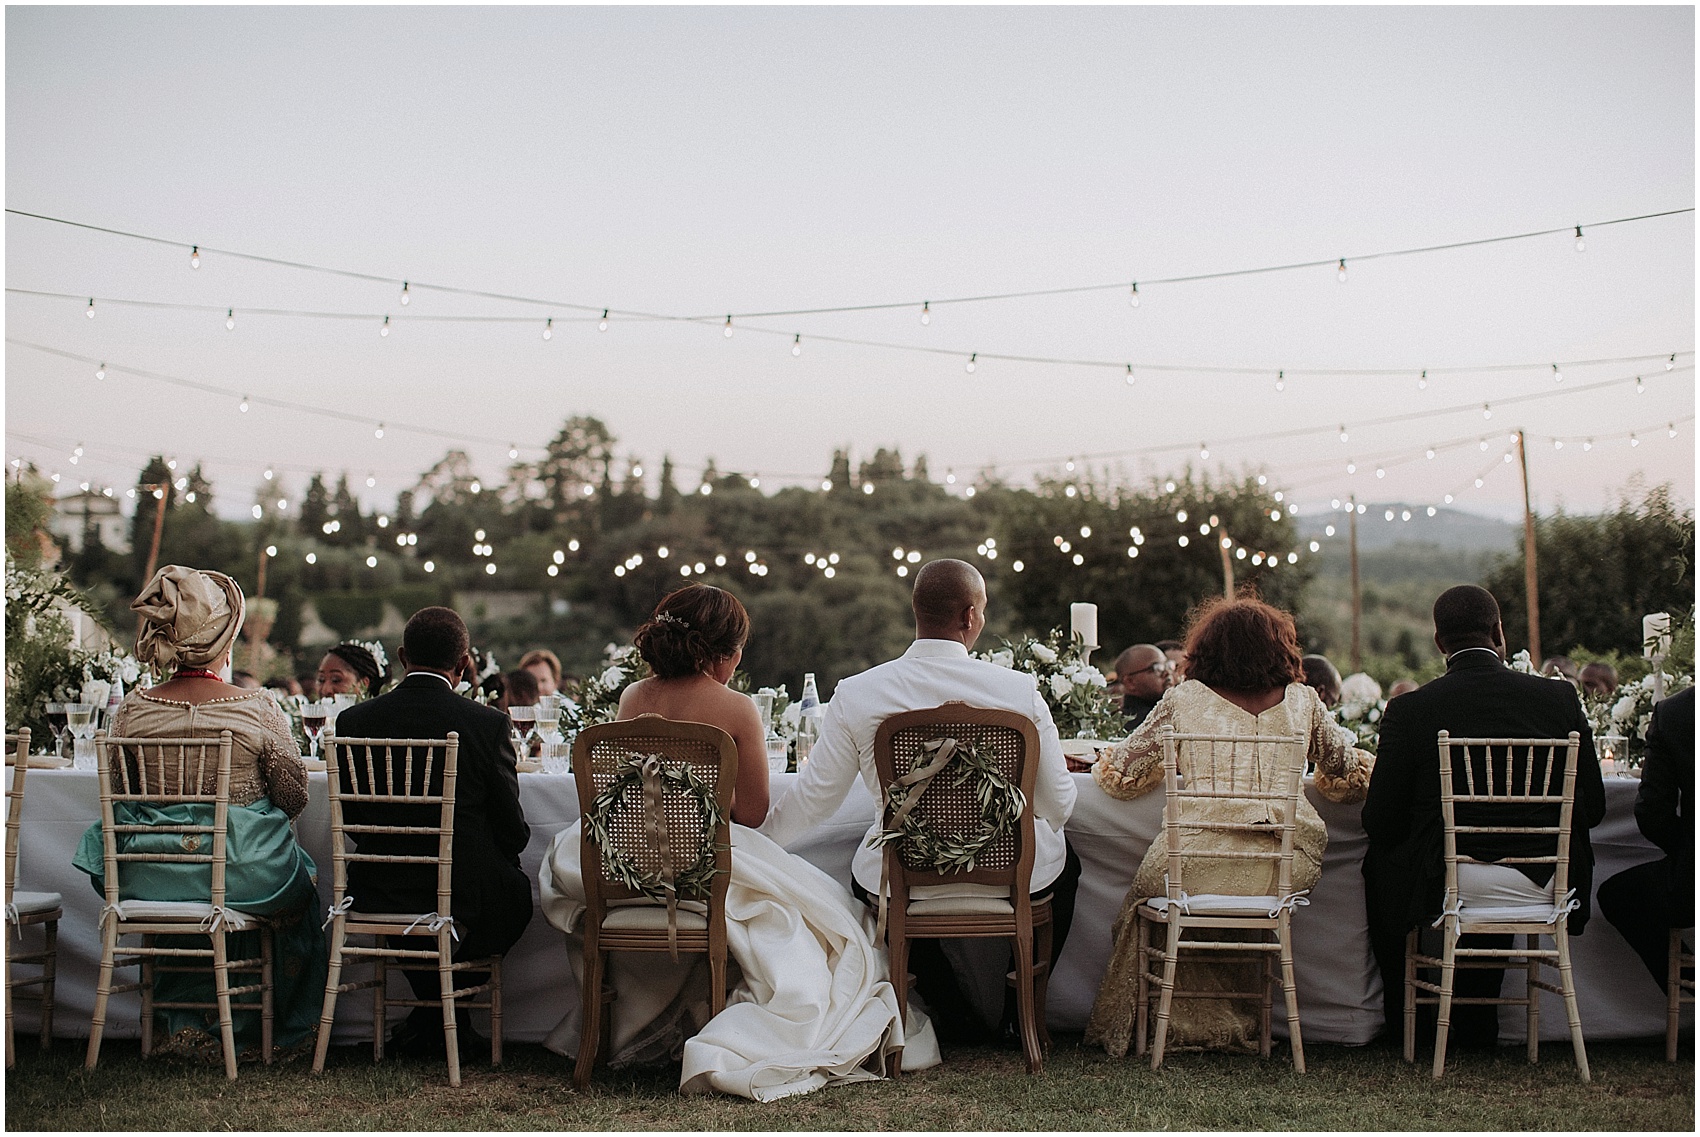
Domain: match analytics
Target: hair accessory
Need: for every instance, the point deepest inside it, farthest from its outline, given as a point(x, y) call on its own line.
point(669, 618)
point(377, 650)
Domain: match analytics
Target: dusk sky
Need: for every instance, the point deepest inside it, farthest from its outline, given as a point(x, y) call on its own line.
point(694, 162)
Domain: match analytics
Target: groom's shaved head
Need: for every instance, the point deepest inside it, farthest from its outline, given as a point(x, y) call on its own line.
point(943, 589)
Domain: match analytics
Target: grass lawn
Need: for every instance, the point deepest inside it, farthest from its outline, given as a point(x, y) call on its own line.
point(975, 1089)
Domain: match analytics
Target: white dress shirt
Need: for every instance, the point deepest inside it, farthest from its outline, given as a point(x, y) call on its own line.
point(931, 672)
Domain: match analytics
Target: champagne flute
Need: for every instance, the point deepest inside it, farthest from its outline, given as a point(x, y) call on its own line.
point(79, 720)
point(313, 718)
point(56, 723)
point(549, 719)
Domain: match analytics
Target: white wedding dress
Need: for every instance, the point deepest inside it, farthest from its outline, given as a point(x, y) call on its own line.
point(814, 1005)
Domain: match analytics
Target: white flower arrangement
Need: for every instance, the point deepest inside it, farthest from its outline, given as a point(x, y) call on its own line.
point(786, 714)
point(1620, 720)
point(599, 696)
point(1074, 690)
point(1362, 717)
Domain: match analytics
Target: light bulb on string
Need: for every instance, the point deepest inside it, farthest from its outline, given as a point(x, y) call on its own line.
point(971, 362)
point(1669, 363)
point(1633, 441)
point(1203, 452)
point(1280, 380)
point(89, 312)
point(1588, 444)
point(1581, 245)
point(1351, 467)
point(727, 331)
point(1640, 386)
point(379, 433)
point(1343, 435)
point(269, 474)
point(406, 295)
point(1478, 483)
point(195, 257)
point(243, 405)
point(549, 328)
point(1487, 411)
point(1429, 453)
point(371, 481)
point(513, 451)
point(100, 372)
point(230, 320)
point(1558, 444)
point(1380, 473)
point(1130, 379)
point(1422, 381)
point(1673, 430)
point(1484, 445)
point(1557, 375)
point(602, 324)
point(796, 346)
point(385, 330)
point(1133, 296)
point(926, 313)
point(1341, 271)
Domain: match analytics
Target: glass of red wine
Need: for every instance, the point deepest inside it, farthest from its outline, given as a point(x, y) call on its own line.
point(524, 718)
point(313, 718)
point(57, 719)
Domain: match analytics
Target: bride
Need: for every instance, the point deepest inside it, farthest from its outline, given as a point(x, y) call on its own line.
point(814, 1004)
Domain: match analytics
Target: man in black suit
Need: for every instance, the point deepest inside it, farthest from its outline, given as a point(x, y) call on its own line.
point(1404, 874)
point(491, 896)
point(1647, 901)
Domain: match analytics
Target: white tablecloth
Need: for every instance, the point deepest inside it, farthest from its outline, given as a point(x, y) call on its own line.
point(1339, 988)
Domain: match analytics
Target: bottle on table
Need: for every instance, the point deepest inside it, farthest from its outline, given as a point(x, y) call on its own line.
point(808, 720)
point(113, 700)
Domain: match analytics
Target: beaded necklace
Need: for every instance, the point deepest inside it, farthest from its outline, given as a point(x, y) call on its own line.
point(194, 673)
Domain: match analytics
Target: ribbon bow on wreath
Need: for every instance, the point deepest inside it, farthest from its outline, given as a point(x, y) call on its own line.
point(1001, 803)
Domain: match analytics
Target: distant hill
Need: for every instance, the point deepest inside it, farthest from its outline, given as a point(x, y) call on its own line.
point(1451, 529)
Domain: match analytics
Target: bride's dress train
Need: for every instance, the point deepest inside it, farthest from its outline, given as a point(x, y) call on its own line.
point(814, 1004)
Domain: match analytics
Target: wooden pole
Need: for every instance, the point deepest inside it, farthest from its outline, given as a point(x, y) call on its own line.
point(1529, 575)
point(1222, 543)
point(153, 548)
point(1357, 595)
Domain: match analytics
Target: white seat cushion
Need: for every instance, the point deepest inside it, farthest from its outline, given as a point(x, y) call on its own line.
point(967, 888)
point(29, 903)
point(1214, 904)
point(185, 910)
point(652, 917)
point(963, 906)
point(1510, 914)
point(1499, 894)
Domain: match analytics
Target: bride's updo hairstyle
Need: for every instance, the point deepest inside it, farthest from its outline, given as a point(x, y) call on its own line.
point(691, 630)
point(1242, 645)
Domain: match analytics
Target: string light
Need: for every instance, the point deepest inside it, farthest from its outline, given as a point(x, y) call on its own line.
point(89, 312)
point(971, 362)
point(1633, 441)
point(549, 328)
point(1669, 363)
point(1581, 245)
point(926, 313)
point(1558, 444)
point(243, 405)
point(385, 330)
point(727, 331)
point(406, 295)
point(1587, 445)
point(796, 345)
point(269, 474)
point(1280, 380)
point(100, 372)
point(230, 319)
point(1557, 375)
point(1133, 296)
point(1487, 411)
point(513, 452)
point(1673, 430)
point(602, 324)
point(195, 257)
point(378, 433)
point(372, 483)
point(1429, 453)
point(1203, 452)
point(1343, 435)
point(1639, 385)
point(1130, 379)
point(1422, 381)
point(1342, 271)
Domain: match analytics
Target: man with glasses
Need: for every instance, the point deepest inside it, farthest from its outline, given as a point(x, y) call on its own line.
point(1143, 672)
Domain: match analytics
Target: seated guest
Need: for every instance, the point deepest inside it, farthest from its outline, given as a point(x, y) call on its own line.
point(1142, 671)
point(1402, 687)
point(519, 689)
point(545, 667)
point(950, 612)
point(246, 680)
point(1176, 653)
point(1561, 665)
point(1647, 901)
point(352, 668)
point(308, 681)
point(284, 685)
point(190, 619)
point(1244, 676)
point(1321, 677)
point(491, 896)
point(1404, 876)
point(1599, 679)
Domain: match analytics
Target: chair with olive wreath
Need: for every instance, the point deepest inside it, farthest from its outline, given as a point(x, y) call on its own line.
point(656, 854)
point(957, 827)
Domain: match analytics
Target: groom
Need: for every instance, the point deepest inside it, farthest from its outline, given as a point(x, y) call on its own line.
point(950, 612)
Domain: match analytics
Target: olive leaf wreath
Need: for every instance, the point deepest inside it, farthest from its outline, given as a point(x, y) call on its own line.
point(679, 776)
point(1000, 800)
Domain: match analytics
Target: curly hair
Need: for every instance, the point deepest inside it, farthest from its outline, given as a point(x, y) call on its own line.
point(1242, 645)
point(362, 661)
point(691, 629)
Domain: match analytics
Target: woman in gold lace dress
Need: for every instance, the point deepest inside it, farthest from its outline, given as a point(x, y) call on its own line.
point(190, 619)
point(1244, 676)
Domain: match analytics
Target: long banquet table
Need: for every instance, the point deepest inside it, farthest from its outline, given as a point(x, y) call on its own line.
point(1338, 985)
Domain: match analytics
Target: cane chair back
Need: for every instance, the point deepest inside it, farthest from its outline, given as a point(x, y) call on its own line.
point(1229, 800)
point(1519, 793)
point(395, 798)
point(663, 834)
point(991, 899)
point(142, 772)
point(1679, 988)
point(26, 908)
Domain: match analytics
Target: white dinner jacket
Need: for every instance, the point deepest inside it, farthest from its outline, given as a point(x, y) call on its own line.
point(931, 672)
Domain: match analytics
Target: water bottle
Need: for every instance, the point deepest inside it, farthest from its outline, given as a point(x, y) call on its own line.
point(113, 700)
point(808, 721)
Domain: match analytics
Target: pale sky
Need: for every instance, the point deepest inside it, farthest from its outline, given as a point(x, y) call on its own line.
point(698, 161)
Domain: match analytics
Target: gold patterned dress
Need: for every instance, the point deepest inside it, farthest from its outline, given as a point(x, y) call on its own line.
point(1135, 767)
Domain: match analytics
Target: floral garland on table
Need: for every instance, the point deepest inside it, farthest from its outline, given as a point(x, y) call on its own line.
point(678, 776)
point(1072, 688)
point(1000, 800)
point(1623, 717)
point(599, 695)
point(41, 664)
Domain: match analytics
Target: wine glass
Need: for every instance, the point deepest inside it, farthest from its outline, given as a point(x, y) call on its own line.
point(313, 719)
point(79, 720)
point(549, 719)
point(524, 717)
point(56, 723)
point(764, 707)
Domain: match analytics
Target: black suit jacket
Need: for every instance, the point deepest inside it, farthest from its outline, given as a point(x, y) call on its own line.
point(1667, 788)
point(489, 826)
point(1478, 697)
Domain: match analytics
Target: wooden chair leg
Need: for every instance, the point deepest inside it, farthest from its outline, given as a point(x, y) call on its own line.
point(717, 978)
point(102, 991)
point(1042, 981)
point(221, 994)
point(1142, 986)
point(1567, 982)
point(149, 973)
point(1443, 1024)
point(11, 1055)
point(49, 979)
point(1290, 986)
point(1673, 992)
point(1024, 1003)
point(327, 1015)
point(1410, 1015)
point(1166, 995)
point(898, 954)
point(446, 991)
point(496, 1011)
point(266, 1004)
point(590, 1013)
point(1532, 1021)
point(1266, 1007)
point(380, 1003)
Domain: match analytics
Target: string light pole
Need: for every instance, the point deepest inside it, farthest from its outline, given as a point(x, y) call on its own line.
point(1529, 576)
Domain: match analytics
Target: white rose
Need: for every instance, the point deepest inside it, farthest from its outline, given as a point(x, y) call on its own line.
point(1624, 709)
point(1641, 726)
point(1375, 716)
point(1044, 654)
point(792, 715)
point(95, 692)
point(612, 678)
point(1061, 687)
point(1004, 658)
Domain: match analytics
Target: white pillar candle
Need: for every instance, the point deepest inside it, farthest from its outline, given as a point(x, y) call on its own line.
point(1083, 623)
point(1655, 634)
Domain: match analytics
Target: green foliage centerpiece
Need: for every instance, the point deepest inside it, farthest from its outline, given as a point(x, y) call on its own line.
point(1074, 690)
point(599, 696)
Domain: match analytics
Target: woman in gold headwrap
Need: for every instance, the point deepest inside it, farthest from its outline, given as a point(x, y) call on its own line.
point(190, 620)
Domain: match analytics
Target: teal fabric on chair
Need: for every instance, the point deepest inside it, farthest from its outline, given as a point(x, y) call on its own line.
point(267, 874)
